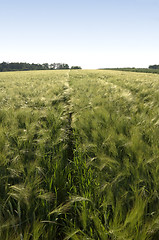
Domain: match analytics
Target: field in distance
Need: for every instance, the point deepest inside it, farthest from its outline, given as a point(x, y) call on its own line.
point(79, 155)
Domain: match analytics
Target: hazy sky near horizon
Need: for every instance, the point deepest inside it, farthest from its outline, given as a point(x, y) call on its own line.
point(88, 33)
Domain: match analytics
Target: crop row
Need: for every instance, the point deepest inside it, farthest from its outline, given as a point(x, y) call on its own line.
point(33, 152)
point(116, 119)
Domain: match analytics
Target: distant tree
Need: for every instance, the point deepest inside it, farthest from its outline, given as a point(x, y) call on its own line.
point(4, 66)
point(76, 67)
point(154, 67)
point(62, 66)
point(52, 66)
point(65, 66)
point(45, 65)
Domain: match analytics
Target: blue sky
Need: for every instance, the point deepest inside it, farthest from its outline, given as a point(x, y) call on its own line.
point(89, 33)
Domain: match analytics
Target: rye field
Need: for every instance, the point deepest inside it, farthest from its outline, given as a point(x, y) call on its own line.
point(79, 155)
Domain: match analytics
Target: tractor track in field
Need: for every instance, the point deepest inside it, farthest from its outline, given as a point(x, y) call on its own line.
point(68, 115)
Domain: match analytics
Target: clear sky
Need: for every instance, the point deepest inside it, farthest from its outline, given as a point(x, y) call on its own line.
point(88, 33)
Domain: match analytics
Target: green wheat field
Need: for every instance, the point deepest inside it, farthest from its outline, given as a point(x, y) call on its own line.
point(79, 155)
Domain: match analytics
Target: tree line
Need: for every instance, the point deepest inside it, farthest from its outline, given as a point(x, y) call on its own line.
point(140, 70)
point(21, 66)
point(154, 66)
